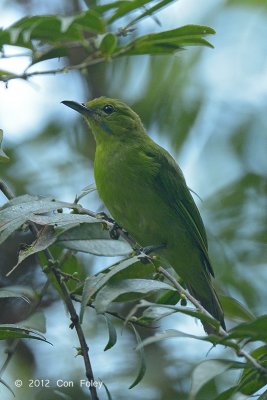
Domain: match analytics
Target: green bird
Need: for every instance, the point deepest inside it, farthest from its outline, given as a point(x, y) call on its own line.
point(146, 193)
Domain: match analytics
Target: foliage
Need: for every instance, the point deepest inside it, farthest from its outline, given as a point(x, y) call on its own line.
point(95, 32)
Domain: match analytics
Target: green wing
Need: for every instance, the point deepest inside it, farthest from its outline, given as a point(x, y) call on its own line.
point(170, 181)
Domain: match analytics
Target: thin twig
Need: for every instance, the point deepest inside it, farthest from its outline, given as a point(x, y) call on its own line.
point(88, 62)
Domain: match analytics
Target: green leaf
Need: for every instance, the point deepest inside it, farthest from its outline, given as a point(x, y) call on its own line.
point(3, 156)
point(150, 11)
point(228, 394)
point(108, 44)
point(174, 333)
point(21, 209)
point(112, 335)
point(90, 20)
point(55, 52)
point(184, 310)
point(170, 41)
point(90, 287)
point(233, 309)
point(251, 381)
point(206, 371)
point(126, 7)
point(142, 368)
point(127, 287)
point(253, 331)
point(18, 332)
point(92, 238)
point(94, 283)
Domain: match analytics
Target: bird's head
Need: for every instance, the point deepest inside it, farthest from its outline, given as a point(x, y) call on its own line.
point(109, 119)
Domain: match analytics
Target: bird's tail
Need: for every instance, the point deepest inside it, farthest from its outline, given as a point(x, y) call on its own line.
point(210, 301)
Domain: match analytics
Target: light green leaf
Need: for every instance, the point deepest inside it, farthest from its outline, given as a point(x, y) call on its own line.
point(21, 209)
point(115, 289)
point(92, 238)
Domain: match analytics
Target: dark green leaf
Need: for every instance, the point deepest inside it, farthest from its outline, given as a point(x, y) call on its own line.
point(251, 381)
point(170, 41)
point(126, 7)
point(142, 368)
point(254, 330)
point(112, 335)
point(55, 52)
point(108, 43)
point(19, 332)
point(150, 11)
point(206, 371)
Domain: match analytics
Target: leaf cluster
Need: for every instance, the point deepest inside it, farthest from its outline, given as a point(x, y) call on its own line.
point(99, 33)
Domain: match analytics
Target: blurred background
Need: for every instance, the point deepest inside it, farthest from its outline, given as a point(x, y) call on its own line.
point(207, 107)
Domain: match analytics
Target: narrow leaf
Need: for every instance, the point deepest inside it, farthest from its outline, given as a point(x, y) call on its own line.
point(115, 289)
point(142, 368)
point(112, 334)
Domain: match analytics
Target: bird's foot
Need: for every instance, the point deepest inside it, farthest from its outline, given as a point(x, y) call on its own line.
point(151, 249)
point(115, 230)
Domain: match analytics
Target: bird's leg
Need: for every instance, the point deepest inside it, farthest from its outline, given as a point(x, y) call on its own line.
point(151, 249)
point(116, 229)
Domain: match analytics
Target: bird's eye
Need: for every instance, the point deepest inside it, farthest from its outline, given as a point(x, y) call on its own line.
point(108, 109)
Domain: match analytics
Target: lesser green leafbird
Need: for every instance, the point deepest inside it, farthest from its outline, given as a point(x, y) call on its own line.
point(146, 193)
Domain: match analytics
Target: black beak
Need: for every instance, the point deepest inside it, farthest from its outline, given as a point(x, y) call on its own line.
point(80, 107)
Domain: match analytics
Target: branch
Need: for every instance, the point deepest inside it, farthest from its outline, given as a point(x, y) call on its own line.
point(53, 264)
point(239, 352)
point(88, 62)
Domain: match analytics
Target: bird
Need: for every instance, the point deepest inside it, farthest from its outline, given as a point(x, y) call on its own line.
point(145, 191)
